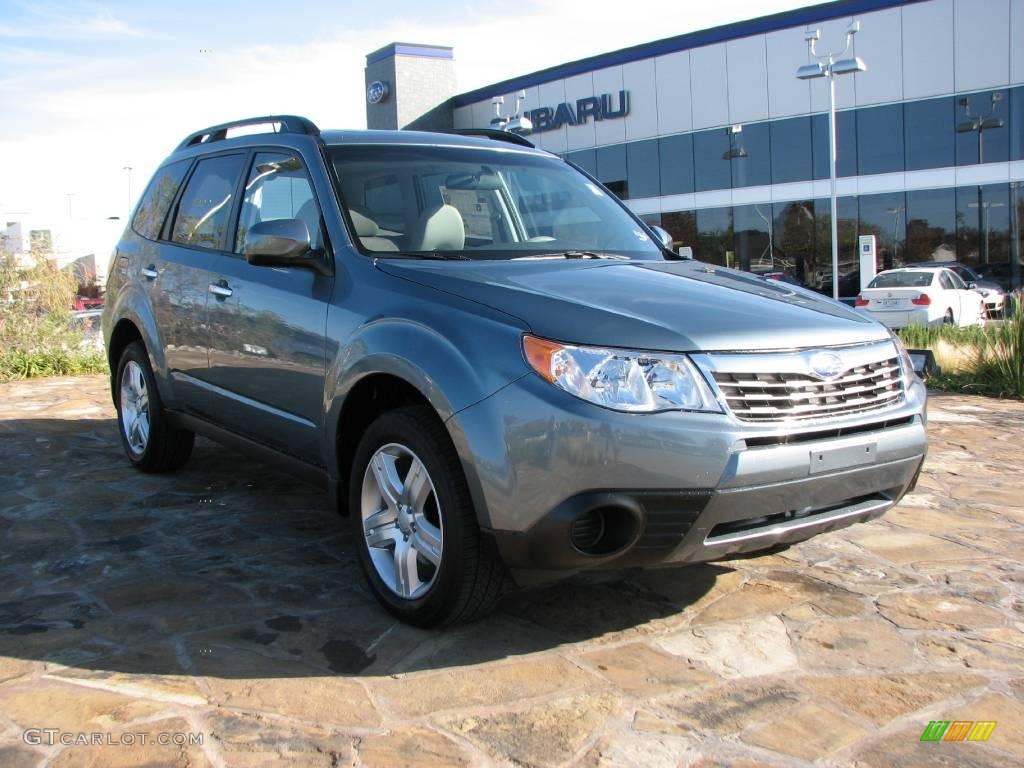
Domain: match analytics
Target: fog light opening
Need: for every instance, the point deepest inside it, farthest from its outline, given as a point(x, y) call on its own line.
point(603, 530)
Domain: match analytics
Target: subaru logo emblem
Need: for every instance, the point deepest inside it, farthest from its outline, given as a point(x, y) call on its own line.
point(376, 92)
point(826, 365)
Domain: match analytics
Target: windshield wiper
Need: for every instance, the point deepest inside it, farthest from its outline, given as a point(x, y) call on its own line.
point(429, 255)
point(574, 255)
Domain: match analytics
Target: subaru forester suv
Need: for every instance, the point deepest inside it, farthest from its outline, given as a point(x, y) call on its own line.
point(496, 370)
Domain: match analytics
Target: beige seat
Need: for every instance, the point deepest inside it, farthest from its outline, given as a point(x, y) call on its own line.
point(439, 229)
point(367, 232)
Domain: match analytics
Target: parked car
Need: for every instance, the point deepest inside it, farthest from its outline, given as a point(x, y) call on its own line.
point(999, 272)
point(493, 367)
point(921, 296)
point(781, 276)
point(82, 303)
point(992, 292)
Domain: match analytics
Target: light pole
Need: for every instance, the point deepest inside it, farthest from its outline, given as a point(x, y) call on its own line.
point(979, 124)
point(128, 168)
point(983, 225)
point(1015, 235)
point(829, 65)
point(895, 235)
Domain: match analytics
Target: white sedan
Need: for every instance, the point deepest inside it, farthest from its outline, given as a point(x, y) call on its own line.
point(921, 296)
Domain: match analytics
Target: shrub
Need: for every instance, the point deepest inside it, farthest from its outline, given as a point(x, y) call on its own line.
point(36, 338)
point(987, 360)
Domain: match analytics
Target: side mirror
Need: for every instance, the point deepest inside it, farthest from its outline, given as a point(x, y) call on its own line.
point(972, 285)
point(664, 238)
point(282, 243)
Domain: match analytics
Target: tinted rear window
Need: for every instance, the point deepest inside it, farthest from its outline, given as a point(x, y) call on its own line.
point(202, 218)
point(902, 280)
point(152, 210)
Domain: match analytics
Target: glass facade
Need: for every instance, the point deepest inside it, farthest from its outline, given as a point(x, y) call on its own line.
point(911, 136)
point(980, 226)
point(793, 239)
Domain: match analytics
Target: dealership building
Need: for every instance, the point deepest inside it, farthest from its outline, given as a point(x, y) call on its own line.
point(713, 136)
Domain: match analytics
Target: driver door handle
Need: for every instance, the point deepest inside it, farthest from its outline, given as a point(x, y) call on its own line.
point(220, 290)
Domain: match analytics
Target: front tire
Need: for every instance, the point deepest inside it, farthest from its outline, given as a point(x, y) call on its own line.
point(149, 440)
point(414, 524)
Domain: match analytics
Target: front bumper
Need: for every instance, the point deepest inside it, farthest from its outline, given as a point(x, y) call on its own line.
point(693, 487)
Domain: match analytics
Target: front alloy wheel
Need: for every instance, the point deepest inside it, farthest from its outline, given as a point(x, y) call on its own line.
point(414, 526)
point(402, 521)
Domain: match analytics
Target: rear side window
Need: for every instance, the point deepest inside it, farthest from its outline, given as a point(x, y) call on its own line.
point(957, 281)
point(205, 207)
point(156, 202)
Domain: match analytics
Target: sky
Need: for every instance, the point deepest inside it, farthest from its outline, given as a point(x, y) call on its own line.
point(87, 88)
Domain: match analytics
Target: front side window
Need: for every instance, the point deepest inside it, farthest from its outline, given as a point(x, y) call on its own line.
point(205, 206)
point(479, 203)
point(156, 202)
point(278, 188)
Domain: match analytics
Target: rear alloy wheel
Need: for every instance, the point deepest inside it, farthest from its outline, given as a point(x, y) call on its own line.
point(152, 444)
point(414, 524)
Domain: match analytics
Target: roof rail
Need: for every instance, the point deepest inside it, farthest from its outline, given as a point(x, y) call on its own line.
point(496, 134)
point(288, 123)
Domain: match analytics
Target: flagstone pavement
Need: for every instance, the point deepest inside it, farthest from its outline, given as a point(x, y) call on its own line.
point(224, 601)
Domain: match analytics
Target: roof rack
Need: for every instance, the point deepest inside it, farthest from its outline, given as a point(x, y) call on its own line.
point(496, 134)
point(288, 123)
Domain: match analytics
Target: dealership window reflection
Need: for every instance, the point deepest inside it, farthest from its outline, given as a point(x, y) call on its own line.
point(931, 225)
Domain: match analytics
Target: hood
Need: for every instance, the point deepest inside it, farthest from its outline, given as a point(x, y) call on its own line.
point(678, 306)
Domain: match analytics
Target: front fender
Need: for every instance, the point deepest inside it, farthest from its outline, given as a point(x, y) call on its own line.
point(472, 359)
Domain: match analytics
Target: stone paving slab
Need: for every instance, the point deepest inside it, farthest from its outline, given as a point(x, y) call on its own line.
point(225, 601)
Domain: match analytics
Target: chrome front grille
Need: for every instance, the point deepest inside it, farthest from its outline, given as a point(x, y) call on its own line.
point(792, 395)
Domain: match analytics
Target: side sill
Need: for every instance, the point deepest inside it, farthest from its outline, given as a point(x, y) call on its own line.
point(308, 472)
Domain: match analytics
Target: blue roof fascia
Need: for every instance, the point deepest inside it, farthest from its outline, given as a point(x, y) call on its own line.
point(409, 49)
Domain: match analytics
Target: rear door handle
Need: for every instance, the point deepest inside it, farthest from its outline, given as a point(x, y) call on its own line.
point(220, 291)
point(150, 272)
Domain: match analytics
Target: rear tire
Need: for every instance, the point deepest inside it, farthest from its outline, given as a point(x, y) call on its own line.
point(149, 440)
point(414, 525)
point(948, 317)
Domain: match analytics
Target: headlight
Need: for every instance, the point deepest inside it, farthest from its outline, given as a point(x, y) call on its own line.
point(622, 379)
point(909, 376)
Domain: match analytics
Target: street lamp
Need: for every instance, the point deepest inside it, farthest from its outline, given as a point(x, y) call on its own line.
point(129, 169)
point(829, 65)
point(979, 124)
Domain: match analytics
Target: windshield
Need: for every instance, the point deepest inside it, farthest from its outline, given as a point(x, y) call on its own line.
point(902, 280)
point(470, 203)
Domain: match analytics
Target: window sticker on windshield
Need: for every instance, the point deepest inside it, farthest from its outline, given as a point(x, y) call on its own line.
point(595, 189)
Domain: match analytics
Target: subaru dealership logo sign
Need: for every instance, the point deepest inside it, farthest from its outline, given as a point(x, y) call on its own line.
point(596, 108)
point(376, 92)
point(825, 365)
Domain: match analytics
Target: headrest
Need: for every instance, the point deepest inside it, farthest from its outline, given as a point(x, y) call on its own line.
point(440, 229)
point(365, 226)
